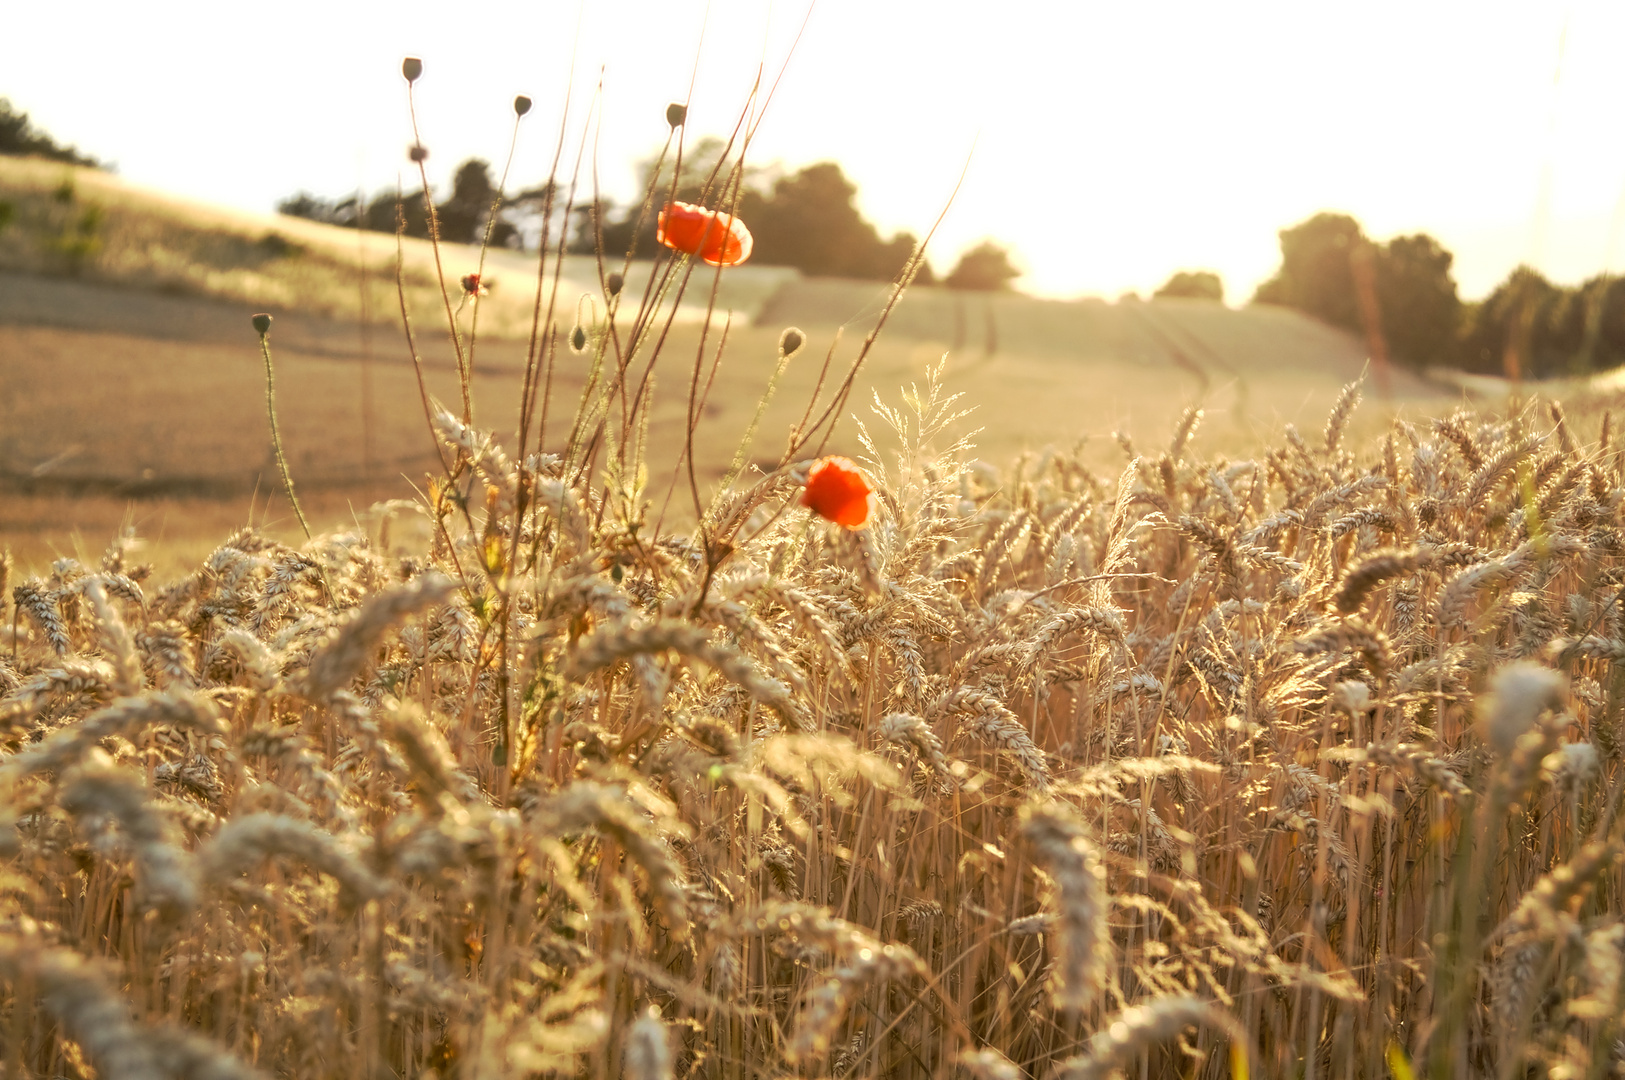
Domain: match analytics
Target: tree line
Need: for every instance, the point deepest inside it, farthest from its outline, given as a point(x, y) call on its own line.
point(1399, 291)
point(1402, 289)
point(20, 138)
point(807, 218)
point(463, 216)
point(1400, 294)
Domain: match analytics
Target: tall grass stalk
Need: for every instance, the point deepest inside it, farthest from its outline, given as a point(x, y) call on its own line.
point(262, 323)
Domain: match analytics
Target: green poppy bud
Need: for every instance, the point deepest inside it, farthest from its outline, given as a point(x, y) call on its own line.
point(411, 67)
point(418, 154)
point(521, 105)
point(676, 115)
point(262, 323)
point(578, 340)
point(614, 283)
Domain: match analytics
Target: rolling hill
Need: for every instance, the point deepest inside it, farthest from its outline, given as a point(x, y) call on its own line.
point(131, 387)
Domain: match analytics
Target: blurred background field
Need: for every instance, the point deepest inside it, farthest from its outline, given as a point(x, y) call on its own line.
point(131, 387)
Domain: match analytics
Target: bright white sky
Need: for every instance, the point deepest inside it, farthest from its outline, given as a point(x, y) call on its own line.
point(1113, 142)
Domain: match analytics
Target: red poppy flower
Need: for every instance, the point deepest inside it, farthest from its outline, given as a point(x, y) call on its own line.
point(473, 286)
point(719, 239)
point(837, 490)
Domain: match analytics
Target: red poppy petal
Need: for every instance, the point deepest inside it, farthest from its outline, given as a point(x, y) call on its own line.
point(681, 226)
point(838, 491)
point(718, 239)
point(727, 247)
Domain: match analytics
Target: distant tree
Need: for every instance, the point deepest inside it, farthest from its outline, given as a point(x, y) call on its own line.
point(1526, 328)
point(20, 138)
point(381, 213)
point(464, 216)
point(389, 210)
point(702, 181)
point(1603, 302)
point(307, 206)
point(985, 268)
point(1530, 328)
point(1315, 277)
point(1421, 313)
point(807, 219)
point(810, 220)
point(620, 233)
point(1417, 306)
point(1192, 285)
point(1504, 325)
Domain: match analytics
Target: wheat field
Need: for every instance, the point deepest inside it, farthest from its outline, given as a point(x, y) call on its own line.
point(1298, 758)
point(1306, 763)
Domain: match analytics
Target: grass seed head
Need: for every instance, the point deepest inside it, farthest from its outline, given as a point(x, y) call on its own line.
point(648, 1053)
point(1083, 939)
point(105, 799)
point(1518, 694)
point(1124, 1034)
point(252, 838)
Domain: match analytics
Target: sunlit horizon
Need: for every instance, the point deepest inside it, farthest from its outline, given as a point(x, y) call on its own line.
point(1107, 148)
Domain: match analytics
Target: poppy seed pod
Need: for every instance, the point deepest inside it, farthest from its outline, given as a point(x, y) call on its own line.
point(262, 323)
point(419, 153)
point(614, 283)
point(790, 342)
point(521, 105)
point(578, 340)
point(676, 115)
point(411, 67)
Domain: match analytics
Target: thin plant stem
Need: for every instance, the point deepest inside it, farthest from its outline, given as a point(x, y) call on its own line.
point(465, 373)
point(738, 463)
point(276, 435)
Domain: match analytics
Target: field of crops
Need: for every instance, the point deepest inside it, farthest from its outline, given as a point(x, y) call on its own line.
point(1186, 752)
point(131, 394)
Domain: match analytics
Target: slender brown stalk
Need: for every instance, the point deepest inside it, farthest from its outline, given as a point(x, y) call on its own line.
point(276, 435)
